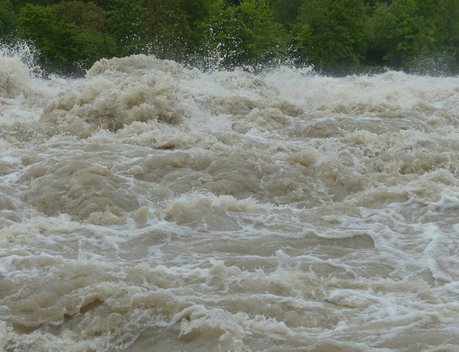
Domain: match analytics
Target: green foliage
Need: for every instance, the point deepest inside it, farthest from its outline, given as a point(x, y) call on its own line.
point(331, 33)
point(224, 34)
point(246, 34)
point(263, 38)
point(7, 19)
point(92, 36)
point(17, 4)
point(402, 33)
point(153, 26)
point(334, 35)
point(448, 33)
point(285, 12)
point(168, 29)
point(69, 36)
point(197, 12)
point(125, 22)
point(415, 34)
point(55, 41)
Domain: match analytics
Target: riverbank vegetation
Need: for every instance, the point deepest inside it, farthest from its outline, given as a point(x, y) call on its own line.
point(335, 36)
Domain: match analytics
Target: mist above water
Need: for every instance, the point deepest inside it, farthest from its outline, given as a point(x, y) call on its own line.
point(149, 206)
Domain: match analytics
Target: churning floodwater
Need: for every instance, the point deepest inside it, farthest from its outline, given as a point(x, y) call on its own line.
point(153, 207)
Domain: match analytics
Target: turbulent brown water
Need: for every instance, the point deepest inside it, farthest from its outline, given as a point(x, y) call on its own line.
point(151, 207)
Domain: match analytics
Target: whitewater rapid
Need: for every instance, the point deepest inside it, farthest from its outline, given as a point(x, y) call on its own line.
point(154, 207)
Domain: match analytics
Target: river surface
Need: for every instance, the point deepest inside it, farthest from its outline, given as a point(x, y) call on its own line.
point(153, 207)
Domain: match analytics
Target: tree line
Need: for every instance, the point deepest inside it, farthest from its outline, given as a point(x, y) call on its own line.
point(335, 36)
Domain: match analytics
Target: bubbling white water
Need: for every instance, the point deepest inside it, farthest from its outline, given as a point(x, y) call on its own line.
point(149, 206)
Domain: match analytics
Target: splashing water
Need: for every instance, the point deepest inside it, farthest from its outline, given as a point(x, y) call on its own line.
point(151, 207)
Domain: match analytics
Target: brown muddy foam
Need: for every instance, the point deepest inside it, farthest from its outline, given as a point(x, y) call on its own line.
point(148, 206)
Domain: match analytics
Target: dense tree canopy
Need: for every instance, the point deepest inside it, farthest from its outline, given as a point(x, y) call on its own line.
point(336, 36)
point(7, 19)
point(331, 33)
point(154, 26)
point(245, 34)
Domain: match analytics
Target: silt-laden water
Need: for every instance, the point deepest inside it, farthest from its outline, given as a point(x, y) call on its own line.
point(152, 207)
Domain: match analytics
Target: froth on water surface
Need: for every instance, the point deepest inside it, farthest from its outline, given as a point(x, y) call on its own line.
point(153, 207)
